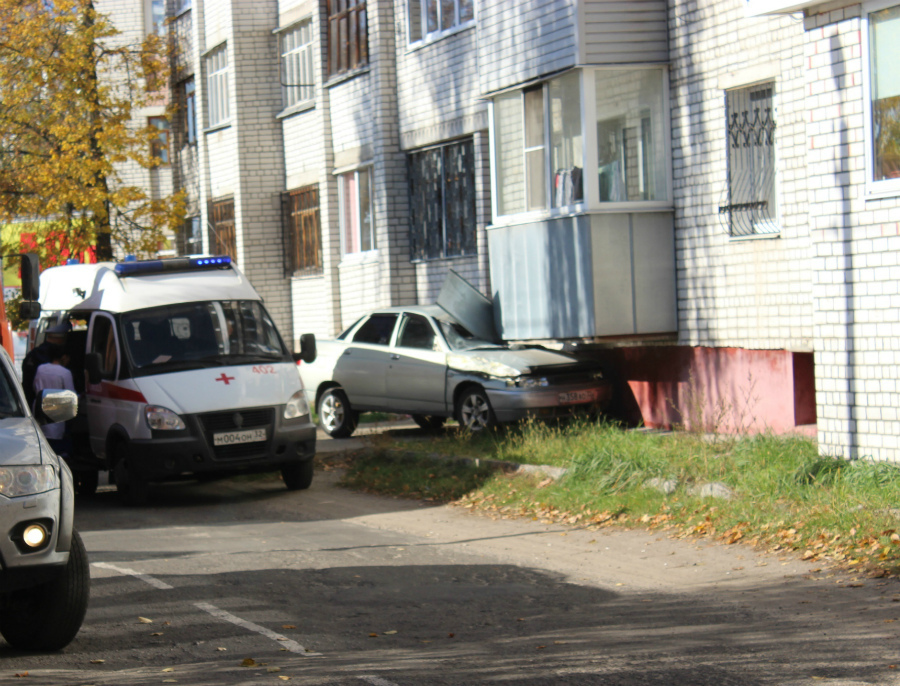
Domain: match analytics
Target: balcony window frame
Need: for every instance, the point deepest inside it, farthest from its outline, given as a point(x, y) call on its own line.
point(160, 144)
point(888, 186)
point(590, 197)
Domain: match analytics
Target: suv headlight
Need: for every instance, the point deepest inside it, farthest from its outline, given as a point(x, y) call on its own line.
point(29, 480)
point(296, 406)
point(163, 419)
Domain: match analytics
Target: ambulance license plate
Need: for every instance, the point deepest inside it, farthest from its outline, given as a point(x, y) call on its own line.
point(575, 397)
point(239, 437)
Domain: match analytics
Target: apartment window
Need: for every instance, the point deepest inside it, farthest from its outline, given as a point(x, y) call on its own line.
point(297, 76)
point(750, 139)
point(191, 239)
point(431, 17)
point(442, 201)
point(217, 85)
point(303, 232)
point(182, 5)
point(539, 143)
point(348, 42)
point(883, 102)
point(356, 211)
point(189, 104)
point(155, 16)
point(221, 213)
point(159, 144)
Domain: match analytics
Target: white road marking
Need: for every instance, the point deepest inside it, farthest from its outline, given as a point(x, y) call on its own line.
point(376, 681)
point(156, 583)
point(283, 641)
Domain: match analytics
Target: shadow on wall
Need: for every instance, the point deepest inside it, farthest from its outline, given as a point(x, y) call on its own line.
point(728, 390)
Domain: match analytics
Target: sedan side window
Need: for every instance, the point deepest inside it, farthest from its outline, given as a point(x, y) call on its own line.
point(416, 332)
point(377, 330)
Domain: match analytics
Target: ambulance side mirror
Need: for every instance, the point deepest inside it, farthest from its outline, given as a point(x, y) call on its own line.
point(93, 365)
point(31, 273)
point(28, 309)
point(307, 348)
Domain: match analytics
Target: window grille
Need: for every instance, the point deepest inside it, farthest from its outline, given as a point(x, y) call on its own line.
point(442, 201)
point(751, 206)
point(302, 232)
point(221, 214)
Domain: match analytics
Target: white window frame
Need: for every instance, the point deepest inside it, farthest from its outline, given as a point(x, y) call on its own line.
point(590, 201)
point(218, 100)
point(297, 66)
point(342, 219)
point(428, 36)
point(150, 25)
point(884, 187)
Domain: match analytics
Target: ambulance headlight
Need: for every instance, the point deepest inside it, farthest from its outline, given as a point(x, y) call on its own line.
point(163, 419)
point(296, 406)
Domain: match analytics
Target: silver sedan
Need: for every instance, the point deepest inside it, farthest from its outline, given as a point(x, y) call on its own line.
point(423, 362)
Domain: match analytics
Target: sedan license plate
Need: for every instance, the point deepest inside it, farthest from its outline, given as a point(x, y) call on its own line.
point(574, 397)
point(239, 437)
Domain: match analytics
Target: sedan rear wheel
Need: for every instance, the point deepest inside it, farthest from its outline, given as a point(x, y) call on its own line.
point(475, 413)
point(338, 419)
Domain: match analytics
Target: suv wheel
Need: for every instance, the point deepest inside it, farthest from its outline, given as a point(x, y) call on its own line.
point(47, 616)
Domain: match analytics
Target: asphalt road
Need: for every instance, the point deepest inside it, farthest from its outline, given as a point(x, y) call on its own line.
point(242, 582)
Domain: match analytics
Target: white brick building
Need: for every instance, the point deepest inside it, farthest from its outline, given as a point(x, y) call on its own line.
point(692, 190)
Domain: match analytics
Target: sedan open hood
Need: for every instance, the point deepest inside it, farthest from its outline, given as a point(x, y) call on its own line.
point(467, 305)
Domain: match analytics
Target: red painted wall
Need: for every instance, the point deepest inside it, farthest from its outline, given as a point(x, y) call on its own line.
point(712, 389)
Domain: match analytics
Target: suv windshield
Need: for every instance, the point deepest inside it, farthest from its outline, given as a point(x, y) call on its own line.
point(10, 406)
point(199, 334)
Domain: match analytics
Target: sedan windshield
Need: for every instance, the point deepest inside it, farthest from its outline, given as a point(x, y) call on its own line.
point(459, 338)
point(201, 334)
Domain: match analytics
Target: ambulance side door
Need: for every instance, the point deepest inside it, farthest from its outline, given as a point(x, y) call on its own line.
point(103, 406)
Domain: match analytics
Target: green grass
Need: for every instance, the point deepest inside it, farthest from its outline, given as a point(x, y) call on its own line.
point(785, 496)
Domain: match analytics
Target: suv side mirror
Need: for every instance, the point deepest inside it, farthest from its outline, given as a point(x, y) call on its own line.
point(93, 364)
point(307, 348)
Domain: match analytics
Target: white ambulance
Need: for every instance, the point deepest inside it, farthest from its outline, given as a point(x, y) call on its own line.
point(182, 371)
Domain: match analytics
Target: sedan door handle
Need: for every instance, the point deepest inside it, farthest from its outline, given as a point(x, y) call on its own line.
point(346, 352)
point(395, 356)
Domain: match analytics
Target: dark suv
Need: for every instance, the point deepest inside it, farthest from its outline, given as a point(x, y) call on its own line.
point(44, 574)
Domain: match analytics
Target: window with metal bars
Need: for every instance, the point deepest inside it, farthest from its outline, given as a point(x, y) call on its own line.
point(442, 201)
point(302, 232)
point(221, 213)
point(751, 203)
point(348, 42)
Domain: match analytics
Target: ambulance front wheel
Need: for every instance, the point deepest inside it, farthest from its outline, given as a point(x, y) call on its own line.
point(133, 490)
point(297, 476)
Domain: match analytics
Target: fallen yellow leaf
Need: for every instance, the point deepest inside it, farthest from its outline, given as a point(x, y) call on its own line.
point(97, 662)
point(169, 669)
point(373, 635)
point(156, 633)
point(390, 633)
point(288, 626)
point(144, 620)
point(273, 670)
point(248, 662)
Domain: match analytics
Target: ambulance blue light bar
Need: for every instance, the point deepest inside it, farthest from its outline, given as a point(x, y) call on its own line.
point(175, 264)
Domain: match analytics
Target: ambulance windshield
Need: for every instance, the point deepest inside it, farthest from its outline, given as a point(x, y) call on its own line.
point(194, 335)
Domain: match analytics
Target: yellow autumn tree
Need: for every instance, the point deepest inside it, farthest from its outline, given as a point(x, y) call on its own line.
point(69, 85)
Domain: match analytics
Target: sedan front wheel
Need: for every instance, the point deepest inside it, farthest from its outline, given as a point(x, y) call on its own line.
point(337, 417)
point(475, 413)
